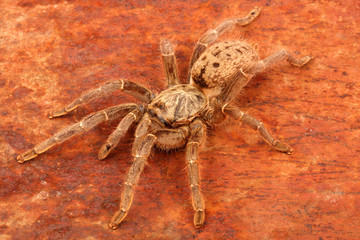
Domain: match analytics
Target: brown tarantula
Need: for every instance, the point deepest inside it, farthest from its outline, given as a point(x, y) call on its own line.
point(178, 116)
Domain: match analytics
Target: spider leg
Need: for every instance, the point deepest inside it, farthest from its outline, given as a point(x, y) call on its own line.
point(257, 125)
point(141, 151)
point(238, 80)
point(277, 57)
point(121, 130)
point(85, 124)
point(235, 83)
point(197, 137)
point(212, 35)
point(169, 63)
point(132, 88)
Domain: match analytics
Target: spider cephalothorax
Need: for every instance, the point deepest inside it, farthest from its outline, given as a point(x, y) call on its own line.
point(178, 116)
point(178, 105)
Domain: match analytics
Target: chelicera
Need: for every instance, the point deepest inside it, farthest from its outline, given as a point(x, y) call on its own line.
point(180, 115)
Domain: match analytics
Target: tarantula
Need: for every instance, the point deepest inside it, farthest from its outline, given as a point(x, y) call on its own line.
point(178, 116)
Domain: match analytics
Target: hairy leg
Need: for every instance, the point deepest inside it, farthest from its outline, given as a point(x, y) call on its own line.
point(257, 125)
point(241, 78)
point(141, 151)
point(132, 88)
point(169, 63)
point(118, 133)
point(212, 35)
point(277, 57)
point(85, 124)
point(197, 137)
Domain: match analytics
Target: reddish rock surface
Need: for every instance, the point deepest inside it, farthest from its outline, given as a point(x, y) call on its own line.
point(51, 51)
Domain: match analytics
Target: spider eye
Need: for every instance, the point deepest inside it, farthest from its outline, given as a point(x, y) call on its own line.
point(160, 105)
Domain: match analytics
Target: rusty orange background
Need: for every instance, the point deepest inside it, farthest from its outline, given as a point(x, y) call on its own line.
point(52, 51)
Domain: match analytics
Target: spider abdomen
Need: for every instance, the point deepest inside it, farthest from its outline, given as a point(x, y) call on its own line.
point(178, 105)
point(221, 61)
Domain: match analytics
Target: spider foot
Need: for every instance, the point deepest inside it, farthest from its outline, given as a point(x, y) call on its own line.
point(117, 219)
point(282, 147)
point(20, 159)
point(302, 61)
point(254, 13)
point(26, 156)
point(199, 218)
point(105, 150)
point(57, 113)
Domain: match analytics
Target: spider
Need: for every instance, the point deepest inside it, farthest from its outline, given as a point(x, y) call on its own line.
point(180, 115)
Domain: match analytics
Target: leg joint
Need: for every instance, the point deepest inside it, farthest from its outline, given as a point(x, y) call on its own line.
point(106, 115)
point(128, 184)
point(192, 142)
point(208, 38)
point(274, 142)
point(191, 162)
point(197, 186)
point(133, 115)
point(122, 84)
point(81, 124)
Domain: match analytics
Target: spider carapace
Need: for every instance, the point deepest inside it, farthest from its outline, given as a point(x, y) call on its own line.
point(178, 116)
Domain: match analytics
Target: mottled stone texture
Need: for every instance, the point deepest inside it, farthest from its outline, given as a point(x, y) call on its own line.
point(51, 51)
